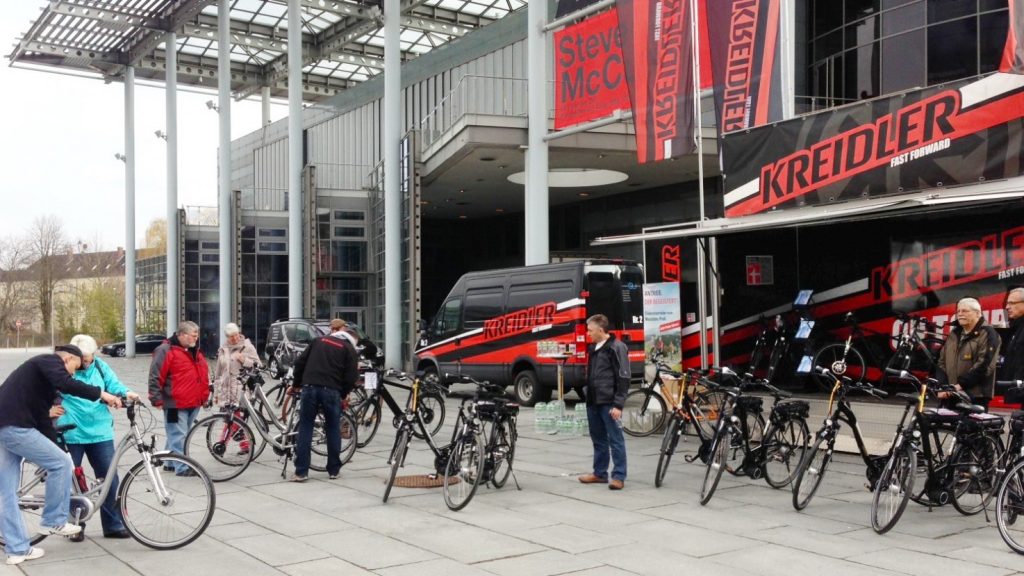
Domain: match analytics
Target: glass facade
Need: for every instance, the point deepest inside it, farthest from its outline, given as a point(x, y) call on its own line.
point(264, 262)
point(202, 282)
point(860, 49)
point(151, 284)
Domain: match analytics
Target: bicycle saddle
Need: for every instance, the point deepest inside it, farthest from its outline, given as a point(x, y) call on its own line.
point(65, 427)
point(970, 408)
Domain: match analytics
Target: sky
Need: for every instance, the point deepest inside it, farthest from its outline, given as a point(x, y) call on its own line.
point(60, 135)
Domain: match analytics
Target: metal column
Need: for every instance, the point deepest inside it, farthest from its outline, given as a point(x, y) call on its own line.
point(265, 102)
point(129, 212)
point(702, 256)
point(224, 219)
point(171, 92)
point(536, 194)
point(295, 253)
point(392, 194)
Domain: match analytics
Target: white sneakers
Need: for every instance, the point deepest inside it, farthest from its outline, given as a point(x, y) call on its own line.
point(33, 554)
point(67, 529)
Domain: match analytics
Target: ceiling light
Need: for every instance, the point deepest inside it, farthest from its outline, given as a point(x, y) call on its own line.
point(583, 194)
point(575, 177)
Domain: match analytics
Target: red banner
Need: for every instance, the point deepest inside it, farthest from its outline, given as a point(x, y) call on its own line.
point(744, 51)
point(590, 78)
point(1013, 54)
point(658, 50)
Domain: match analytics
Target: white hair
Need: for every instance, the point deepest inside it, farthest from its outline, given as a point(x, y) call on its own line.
point(230, 329)
point(85, 343)
point(970, 304)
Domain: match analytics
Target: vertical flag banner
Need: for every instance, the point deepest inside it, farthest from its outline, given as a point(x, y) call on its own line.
point(590, 82)
point(1013, 54)
point(744, 41)
point(658, 52)
point(662, 325)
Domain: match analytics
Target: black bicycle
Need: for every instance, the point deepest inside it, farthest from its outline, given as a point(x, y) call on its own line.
point(371, 395)
point(1010, 497)
point(817, 458)
point(966, 478)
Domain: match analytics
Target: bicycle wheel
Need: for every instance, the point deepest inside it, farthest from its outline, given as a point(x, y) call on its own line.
point(668, 447)
point(166, 510)
point(464, 470)
point(504, 452)
point(839, 361)
point(397, 458)
point(643, 412)
point(811, 472)
point(277, 393)
point(974, 476)
point(222, 444)
point(31, 505)
point(367, 417)
point(348, 431)
point(893, 489)
point(784, 450)
point(1010, 508)
point(738, 450)
point(716, 464)
point(431, 409)
point(707, 406)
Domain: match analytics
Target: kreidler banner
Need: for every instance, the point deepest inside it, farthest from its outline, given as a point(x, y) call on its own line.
point(958, 134)
point(590, 78)
point(744, 41)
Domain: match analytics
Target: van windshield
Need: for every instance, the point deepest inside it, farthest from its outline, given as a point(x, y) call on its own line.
point(617, 292)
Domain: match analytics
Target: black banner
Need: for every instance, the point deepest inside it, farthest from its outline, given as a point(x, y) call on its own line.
point(658, 51)
point(744, 41)
point(929, 138)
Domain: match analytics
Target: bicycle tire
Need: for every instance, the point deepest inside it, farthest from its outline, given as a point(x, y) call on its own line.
point(811, 472)
point(504, 452)
point(277, 393)
point(707, 406)
point(715, 466)
point(784, 449)
point(643, 412)
point(898, 474)
point(1010, 508)
point(467, 457)
point(431, 409)
point(974, 474)
point(397, 459)
point(738, 451)
point(222, 444)
point(367, 415)
point(669, 441)
point(31, 506)
point(827, 356)
point(318, 447)
point(182, 518)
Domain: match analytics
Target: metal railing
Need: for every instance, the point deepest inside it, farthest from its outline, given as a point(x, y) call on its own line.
point(488, 95)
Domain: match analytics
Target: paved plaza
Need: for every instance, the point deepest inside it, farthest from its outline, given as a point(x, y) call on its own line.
point(553, 525)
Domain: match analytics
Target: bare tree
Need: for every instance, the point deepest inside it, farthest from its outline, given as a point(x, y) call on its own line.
point(13, 292)
point(156, 235)
point(48, 247)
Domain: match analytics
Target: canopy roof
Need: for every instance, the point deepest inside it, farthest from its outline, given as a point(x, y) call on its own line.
point(342, 40)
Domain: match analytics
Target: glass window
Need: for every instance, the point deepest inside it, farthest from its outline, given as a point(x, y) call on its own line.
point(349, 215)
point(302, 334)
point(349, 232)
point(272, 232)
point(272, 247)
point(206, 245)
point(940, 10)
point(952, 50)
point(448, 320)
point(861, 73)
point(211, 258)
point(348, 256)
point(856, 9)
point(886, 4)
point(993, 29)
point(902, 19)
point(289, 331)
point(863, 32)
point(826, 17)
point(907, 71)
point(482, 305)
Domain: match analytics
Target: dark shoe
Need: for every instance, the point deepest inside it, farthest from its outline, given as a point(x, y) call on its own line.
point(188, 472)
point(80, 537)
point(121, 534)
point(592, 479)
point(616, 485)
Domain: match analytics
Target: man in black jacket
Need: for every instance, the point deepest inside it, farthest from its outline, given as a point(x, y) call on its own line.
point(26, 431)
point(607, 383)
point(326, 372)
point(1013, 351)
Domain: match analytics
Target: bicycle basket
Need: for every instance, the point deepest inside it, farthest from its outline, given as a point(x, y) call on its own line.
point(750, 403)
point(791, 409)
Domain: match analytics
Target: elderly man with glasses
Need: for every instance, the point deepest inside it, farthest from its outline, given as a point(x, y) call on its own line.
point(968, 358)
point(1013, 352)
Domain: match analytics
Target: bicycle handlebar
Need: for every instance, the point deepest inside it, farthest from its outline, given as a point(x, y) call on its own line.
point(1010, 383)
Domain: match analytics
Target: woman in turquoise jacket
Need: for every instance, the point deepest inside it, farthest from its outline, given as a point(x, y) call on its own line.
point(93, 435)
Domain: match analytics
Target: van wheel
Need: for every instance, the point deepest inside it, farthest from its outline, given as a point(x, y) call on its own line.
point(430, 376)
point(528, 391)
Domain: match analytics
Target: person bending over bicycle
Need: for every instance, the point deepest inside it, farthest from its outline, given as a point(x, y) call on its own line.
point(93, 434)
point(26, 432)
point(969, 356)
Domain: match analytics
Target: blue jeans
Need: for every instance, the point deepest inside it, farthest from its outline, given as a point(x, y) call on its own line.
point(315, 398)
point(606, 434)
point(176, 431)
point(100, 455)
point(30, 444)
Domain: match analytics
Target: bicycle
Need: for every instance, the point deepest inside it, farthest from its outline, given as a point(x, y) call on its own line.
point(369, 399)
point(817, 458)
point(483, 446)
point(646, 408)
point(1010, 496)
point(968, 472)
point(226, 444)
point(916, 347)
point(687, 408)
point(162, 509)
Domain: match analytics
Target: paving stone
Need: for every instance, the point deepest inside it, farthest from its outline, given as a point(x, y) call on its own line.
point(332, 566)
point(544, 563)
point(920, 564)
point(276, 549)
point(369, 550)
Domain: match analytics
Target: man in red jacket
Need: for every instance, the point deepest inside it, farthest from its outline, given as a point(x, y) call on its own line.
point(179, 382)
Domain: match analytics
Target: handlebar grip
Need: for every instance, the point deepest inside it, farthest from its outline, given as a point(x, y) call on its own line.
point(1013, 383)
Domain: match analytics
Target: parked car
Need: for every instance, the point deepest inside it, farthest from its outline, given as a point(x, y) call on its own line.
point(287, 338)
point(144, 344)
